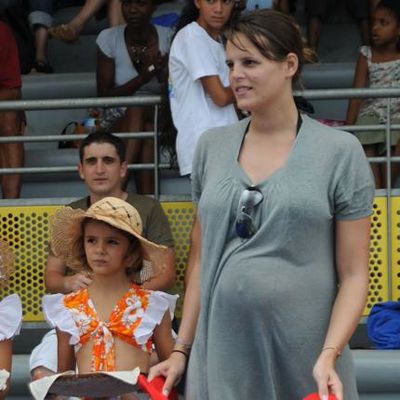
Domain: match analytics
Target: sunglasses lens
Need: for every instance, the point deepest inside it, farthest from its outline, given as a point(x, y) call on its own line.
point(244, 229)
point(250, 198)
point(244, 222)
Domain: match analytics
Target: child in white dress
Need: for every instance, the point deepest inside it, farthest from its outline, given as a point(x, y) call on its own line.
point(10, 318)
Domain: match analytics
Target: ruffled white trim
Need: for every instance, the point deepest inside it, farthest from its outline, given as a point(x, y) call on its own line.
point(159, 304)
point(10, 316)
point(4, 375)
point(58, 316)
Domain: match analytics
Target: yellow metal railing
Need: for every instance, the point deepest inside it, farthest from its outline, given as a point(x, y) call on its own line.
point(25, 228)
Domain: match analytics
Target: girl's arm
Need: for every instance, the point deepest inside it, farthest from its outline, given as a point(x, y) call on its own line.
point(174, 367)
point(220, 95)
point(163, 337)
point(66, 355)
point(352, 253)
point(360, 81)
point(105, 78)
point(5, 362)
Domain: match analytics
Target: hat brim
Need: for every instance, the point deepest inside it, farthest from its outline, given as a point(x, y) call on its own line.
point(66, 232)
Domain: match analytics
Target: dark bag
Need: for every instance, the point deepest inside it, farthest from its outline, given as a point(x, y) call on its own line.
point(17, 19)
point(69, 129)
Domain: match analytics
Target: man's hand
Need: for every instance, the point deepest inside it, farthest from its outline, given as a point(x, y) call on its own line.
point(76, 282)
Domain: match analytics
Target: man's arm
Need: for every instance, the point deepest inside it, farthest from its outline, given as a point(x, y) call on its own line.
point(165, 280)
point(158, 231)
point(56, 281)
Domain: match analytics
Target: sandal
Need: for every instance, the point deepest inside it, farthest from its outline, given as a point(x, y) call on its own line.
point(43, 67)
point(64, 32)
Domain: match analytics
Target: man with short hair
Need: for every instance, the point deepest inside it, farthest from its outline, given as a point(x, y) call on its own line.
point(103, 168)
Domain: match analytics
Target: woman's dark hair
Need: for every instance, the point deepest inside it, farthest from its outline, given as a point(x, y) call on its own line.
point(393, 6)
point(274, 34)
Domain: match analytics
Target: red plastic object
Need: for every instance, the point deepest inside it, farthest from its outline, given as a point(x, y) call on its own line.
point(315, 396)
point(154, 388)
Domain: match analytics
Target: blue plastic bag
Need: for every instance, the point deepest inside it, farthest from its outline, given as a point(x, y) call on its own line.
point(383, 325)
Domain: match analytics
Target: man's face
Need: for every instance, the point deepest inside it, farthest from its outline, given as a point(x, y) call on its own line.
point(102, 170)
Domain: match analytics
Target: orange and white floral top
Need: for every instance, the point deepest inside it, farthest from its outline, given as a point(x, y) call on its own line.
point(132, 320)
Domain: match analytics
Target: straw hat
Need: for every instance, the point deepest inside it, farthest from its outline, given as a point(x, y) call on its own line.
point(66, 235)
point(6, 263)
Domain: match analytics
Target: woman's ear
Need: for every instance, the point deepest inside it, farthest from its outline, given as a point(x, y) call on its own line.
point(292, 63)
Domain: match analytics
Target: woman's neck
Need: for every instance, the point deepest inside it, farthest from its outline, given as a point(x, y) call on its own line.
point(138, 36)
point(275, 119)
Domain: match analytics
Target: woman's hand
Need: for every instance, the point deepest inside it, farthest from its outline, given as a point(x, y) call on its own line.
point(326, 377)
point(153, 65)
point(172, 369)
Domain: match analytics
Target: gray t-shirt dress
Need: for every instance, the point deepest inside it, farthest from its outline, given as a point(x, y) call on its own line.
point(266, 301)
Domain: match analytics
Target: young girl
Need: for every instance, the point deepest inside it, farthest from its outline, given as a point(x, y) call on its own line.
point(132, 57)
point(10, 319)
point(111, 325)
point(199, 91)
point(380, 66)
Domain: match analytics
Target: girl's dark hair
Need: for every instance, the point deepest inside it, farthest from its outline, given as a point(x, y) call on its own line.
point(167, 129)
point(190, 13)
point(393, 6)
point(274, 34)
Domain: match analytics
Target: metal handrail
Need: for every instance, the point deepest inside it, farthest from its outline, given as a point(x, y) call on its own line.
point(156, 100)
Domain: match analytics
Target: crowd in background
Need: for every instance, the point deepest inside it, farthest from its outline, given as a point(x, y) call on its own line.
point(138, 64)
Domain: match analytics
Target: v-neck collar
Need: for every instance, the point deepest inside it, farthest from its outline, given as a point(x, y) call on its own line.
point(278, 171)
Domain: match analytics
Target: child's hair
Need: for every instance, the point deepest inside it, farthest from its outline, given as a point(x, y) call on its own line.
point(6, 263)
point(190, 13)
point(274, 34)
point(393, 6)
point(134, 251)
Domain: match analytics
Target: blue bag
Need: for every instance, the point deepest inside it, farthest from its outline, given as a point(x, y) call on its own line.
point(383, 325)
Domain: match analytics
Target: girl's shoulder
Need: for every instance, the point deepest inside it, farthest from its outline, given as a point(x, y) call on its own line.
point(191, 30)
point(10, 316)
point(366, 51)
point(381, 58)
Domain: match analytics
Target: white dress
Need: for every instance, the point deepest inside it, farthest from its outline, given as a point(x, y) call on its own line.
point(10, 325)
point(10, 317)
